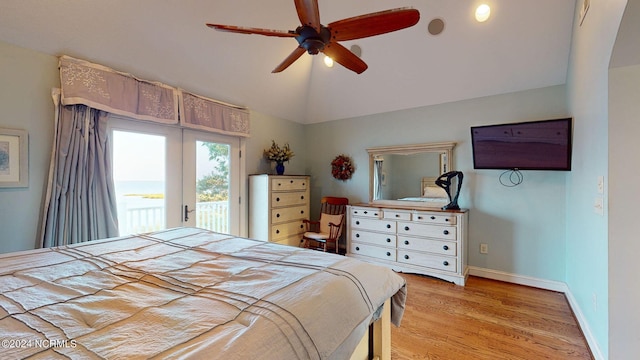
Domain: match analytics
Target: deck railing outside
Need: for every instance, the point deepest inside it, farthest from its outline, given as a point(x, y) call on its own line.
point(212, 215)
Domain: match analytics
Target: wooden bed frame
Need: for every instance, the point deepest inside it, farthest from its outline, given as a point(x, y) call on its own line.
point(426, 181)
point(376, 343)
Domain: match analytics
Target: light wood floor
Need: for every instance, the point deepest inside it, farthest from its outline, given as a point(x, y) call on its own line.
point(486, 319)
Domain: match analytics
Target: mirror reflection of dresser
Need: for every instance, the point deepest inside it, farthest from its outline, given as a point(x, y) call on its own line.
point(403, 225)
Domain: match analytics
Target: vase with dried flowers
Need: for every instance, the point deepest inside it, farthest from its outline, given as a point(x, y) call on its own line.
point(279, 155)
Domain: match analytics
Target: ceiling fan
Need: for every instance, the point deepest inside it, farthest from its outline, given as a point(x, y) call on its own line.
point(314, 37)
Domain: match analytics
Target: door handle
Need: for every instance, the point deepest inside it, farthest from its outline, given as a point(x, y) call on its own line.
point(186, 212)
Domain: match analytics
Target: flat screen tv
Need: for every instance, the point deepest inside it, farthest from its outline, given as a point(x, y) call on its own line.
point(534, 145)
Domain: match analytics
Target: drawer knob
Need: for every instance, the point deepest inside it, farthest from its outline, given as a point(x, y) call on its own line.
point(301, 211)
point(388, 240)
point(406, 242)
point(388, 226)
point(376, 214)
point(277, 231)
point(406, 257)
point(301, 226)
point(445, 263)
point(388, 253)
point(291, 181)
point(397, 215)
point(366, 212)
point(406, 228)
point(279, 184)
point(277, 199)
point(357, 222)
point(433, 218)
point(446, 232)
point(446, 220)
point(278, 215)
point(445, 247)
point(357, 235)
point(420, 218)
point(357, 248)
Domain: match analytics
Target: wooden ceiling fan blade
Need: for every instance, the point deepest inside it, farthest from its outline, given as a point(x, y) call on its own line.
point(344, 57)
point(377, 23)
point(308, 13)
point(295, 55)
point(247, 30)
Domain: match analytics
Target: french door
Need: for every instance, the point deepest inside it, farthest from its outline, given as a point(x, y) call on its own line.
point(211, 181)
point(168, 177)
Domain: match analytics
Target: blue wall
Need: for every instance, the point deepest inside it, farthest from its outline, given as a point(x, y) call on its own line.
point(524, 226)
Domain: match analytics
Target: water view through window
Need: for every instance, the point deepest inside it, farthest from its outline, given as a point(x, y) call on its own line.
point(139, 177)
point(148, 181)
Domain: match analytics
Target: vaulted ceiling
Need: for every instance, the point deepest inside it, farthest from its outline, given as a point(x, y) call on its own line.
point(524, 45)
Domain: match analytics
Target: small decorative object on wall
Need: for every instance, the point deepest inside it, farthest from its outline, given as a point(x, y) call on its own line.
point(342, 167)
point(443, 163)
point(279, 155)
point(14, 158)
point(445, 182)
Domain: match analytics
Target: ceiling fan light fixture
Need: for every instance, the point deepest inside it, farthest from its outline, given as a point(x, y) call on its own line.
point(328, 61)
point(483, 12)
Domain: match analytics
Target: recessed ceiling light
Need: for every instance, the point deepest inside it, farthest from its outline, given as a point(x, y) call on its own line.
point(483, 12)
point(356, 49)
point(436, 26)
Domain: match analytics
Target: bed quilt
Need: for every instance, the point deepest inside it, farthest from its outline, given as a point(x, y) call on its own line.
point(188, 293)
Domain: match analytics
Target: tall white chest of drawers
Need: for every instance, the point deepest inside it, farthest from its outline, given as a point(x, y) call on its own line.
point(277, 206)
point(428, 242)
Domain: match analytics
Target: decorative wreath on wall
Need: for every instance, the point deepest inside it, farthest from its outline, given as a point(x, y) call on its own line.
point(342, 167)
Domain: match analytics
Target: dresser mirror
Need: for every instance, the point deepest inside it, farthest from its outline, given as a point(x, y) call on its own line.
point(406, 174)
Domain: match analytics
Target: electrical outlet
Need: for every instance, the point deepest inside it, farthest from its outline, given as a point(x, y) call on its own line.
point(598, 205)
point(484, 249)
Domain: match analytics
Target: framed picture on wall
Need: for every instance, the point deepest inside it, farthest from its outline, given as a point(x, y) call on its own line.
point(14, 158)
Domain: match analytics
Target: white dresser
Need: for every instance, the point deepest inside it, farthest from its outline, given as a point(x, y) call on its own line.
point(277, 206)
point(430, 242)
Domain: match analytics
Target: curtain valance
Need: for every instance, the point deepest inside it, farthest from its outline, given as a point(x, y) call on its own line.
point(200, 113)
point(105, 89)
point(123, 94)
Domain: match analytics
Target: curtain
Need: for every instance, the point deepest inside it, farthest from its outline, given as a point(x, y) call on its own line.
point(80, 203)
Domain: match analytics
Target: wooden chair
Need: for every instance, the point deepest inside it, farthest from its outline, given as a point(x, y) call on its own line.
point(326, 232)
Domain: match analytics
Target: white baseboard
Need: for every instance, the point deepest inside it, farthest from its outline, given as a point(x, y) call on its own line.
point(586, 330)
point(519, 279)
point(558, 286)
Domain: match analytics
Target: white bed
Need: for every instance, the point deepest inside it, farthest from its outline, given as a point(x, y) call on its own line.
point(432, 194)
point(189, 293)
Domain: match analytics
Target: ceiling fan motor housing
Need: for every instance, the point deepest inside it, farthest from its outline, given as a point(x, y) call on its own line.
point(310, 40)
